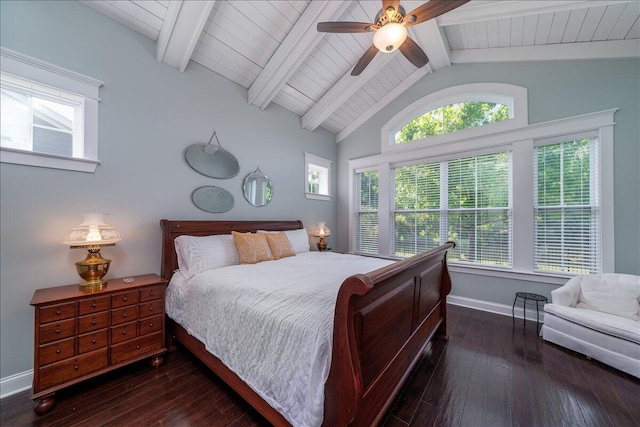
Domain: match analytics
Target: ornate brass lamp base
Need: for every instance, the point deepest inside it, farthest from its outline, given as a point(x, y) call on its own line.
point(322, 245)
point(92, 269)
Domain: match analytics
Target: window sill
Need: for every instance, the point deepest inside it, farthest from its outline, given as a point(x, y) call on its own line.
point(552, 279)
point(314, 196)
point(29, 158)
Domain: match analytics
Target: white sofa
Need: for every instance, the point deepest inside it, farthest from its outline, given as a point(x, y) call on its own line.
point(598, 316)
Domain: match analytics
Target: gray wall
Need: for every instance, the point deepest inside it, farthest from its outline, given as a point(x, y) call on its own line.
point(555, 90)
point(149, 113)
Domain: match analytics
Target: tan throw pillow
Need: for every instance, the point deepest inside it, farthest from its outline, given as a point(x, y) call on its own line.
point(252, 248)
point(279, 245)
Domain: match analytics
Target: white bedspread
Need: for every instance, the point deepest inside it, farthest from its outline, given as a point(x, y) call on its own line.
point(273, 330)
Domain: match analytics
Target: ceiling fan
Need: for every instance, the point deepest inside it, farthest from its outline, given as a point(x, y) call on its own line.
point(390, 26)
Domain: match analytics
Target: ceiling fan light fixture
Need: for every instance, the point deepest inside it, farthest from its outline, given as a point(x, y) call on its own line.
point(389, 37)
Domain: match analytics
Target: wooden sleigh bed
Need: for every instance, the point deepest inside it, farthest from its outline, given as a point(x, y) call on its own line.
point(383, 321)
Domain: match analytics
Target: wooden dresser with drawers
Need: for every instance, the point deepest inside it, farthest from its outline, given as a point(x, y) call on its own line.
point(79, 335)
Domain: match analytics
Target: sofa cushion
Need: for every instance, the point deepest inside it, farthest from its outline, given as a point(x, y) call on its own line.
point(611, 293)
point(610, 324)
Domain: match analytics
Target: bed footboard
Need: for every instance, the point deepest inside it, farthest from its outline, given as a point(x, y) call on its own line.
point(383, 322)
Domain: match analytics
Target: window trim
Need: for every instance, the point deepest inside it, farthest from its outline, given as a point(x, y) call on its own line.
point(522, 142)
point(54, 77)
point(513, 96)
point(323, 163)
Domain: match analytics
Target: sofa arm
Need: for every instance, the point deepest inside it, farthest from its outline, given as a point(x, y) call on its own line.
point(568, 294)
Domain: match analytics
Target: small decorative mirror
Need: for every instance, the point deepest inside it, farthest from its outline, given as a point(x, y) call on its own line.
point(257, 188)
point(212, 199)
point(212, 160)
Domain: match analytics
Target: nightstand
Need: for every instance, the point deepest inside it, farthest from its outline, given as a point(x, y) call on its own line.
point(80, 335)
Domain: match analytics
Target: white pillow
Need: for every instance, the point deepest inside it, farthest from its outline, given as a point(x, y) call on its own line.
point(197, 254)
point(611, 293)
point(299, 239)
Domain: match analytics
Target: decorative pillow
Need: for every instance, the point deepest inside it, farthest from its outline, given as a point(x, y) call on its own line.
point(279, 245)
point(611, 293)
point(299, 239)
point(252, 247)
point(201, 253)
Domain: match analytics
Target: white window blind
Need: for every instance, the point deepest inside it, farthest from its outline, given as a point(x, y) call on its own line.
point(567, 207)
point(466, 200)
point(479, 209)
point(366, 212)
point(416, 209)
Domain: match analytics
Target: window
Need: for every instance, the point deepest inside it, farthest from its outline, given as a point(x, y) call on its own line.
point(49, 115)
point(367, 227)
point(451, 118)
point(318, 177)
point(466, 200)
point(35, 120)
point(532, 202)
point(566, 206)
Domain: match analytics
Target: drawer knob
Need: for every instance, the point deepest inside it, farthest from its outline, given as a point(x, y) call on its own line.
point(57, 351)
point(93, 341)
point(93, 322)
point(58, 311)
point(57, 331)
point(150, 308)
point(125, 299)
point(138, 347)
point(150, 293)
point(94, 305)
point(76, 367)
point(151, 325)
point(124, 332)
point(124, 314)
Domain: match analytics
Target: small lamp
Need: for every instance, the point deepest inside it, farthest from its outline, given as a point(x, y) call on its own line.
point(321, 231)
point(92, 235)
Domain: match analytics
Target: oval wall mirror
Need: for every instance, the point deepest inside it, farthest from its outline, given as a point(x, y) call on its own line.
point(212, 160)
point(212, 199)
point(257, 188)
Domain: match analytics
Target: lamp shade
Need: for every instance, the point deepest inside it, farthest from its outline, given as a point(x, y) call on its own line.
point(93, 231)
point(389, 37)
point(321, 230)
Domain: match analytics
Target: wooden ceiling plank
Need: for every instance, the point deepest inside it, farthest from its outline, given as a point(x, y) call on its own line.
point(486, 10)
point(293, 50)
point(608, 22)
point(383, 102)
point(558, 27)
point(626, 21)
point(180, 34)
point(340, 91)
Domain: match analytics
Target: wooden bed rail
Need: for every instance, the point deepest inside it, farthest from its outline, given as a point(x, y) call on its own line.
point(383, 322)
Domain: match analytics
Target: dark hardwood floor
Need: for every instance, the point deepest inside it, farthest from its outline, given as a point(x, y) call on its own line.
point(489, 373)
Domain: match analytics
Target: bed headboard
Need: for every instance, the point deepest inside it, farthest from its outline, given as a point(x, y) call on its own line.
point(174, 228)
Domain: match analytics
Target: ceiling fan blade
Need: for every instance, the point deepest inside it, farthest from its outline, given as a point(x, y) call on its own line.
point(430, 10)
point(364, 60)
point(413, 53)
point(344, 27)
point(392, 3)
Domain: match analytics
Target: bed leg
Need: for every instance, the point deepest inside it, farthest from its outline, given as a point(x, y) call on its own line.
point(170, 337)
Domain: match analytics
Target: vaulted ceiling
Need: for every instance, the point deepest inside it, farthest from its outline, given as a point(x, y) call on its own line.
point(273, 49)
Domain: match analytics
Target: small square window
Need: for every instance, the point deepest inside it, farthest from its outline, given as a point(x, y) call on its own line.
point(318, 177)
point(49, 115)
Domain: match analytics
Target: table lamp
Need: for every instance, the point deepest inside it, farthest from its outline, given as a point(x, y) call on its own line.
point(92, 234)
point(321, 231)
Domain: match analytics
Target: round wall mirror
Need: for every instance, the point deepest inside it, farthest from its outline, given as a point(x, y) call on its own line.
point(212, 160)
point(212, 199)
point(257, 188)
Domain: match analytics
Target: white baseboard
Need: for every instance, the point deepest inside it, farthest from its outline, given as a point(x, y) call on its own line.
point(22, 381)
point(15, 383)
point(496, 308)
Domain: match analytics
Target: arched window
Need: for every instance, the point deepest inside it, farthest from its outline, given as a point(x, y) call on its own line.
point(451, 118)
point(455, 114)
